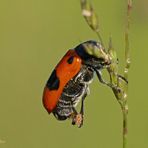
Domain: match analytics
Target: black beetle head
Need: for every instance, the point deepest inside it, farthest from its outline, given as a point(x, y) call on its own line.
point(93, 54)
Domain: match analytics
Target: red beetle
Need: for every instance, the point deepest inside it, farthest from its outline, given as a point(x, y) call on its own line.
point(69, 81)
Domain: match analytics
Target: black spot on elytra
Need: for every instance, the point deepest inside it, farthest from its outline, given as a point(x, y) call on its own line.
point(53, 82)
point(70, 60)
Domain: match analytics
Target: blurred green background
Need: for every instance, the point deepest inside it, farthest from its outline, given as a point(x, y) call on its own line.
point(34, 35)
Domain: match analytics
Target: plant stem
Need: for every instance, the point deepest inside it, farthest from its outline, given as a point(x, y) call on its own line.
point(127, 46)
point(126, 69)
point(100, 38)
point(125, 128)
point(91, 19)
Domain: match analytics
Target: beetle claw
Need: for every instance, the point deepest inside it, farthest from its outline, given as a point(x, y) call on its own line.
point(78, 120)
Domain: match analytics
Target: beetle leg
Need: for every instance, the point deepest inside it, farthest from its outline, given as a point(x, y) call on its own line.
point(99, 75)
point(78, 76)
point(88, 91)
point(73, 116)
point(82, 104)
point(77, 118)
point(82, 111)
point(123, 78)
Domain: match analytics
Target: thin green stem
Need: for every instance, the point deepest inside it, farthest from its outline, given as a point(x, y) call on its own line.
point(100, 38)
point(127, 45)
point(125, 123)
point(126, 70)
point(91, 18)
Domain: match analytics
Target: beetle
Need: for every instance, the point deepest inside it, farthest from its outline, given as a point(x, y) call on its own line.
point(69, 81)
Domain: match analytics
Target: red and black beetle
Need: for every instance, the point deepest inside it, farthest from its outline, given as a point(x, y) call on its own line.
point(69, 81)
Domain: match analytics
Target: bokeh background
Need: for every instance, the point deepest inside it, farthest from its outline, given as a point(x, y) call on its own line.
point(34, 35)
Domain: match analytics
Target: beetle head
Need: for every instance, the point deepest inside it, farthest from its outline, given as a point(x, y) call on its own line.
point(93, 54)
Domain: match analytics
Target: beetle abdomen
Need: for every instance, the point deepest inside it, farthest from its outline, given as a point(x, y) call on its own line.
point(70, 97)
point(73, 92)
